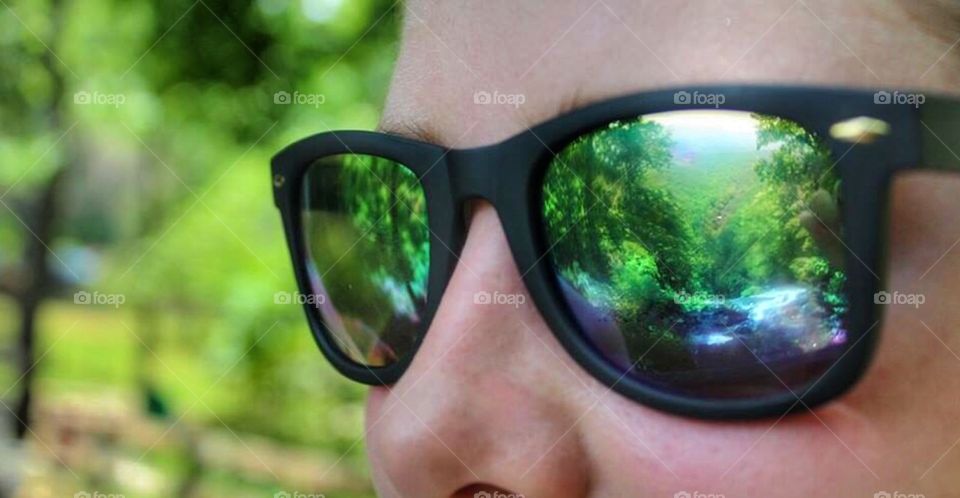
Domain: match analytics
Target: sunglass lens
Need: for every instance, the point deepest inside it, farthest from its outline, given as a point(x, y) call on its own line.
point(700, 251)
point(367, 246)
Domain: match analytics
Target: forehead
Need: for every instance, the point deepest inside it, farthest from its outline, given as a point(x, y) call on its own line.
point(563, 54)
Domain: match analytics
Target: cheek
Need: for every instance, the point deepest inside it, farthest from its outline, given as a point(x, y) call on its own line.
point(653, 451)
point(915, 360)
point(377, 404)
point(924, 229)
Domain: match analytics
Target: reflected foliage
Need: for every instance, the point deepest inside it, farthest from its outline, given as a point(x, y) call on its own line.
point(695, 238)
point(368, 253)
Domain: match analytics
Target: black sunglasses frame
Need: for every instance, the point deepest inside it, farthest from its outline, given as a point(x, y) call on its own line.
point(510, 174)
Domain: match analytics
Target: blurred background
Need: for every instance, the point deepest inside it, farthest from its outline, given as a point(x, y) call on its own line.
point(148, 346)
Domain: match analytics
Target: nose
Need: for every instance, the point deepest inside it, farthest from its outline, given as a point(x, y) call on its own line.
point(484, 408)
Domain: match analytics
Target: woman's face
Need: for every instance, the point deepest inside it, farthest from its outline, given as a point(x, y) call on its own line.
point(493, 403)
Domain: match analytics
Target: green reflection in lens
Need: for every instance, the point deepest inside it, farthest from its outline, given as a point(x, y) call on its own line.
point(682, 237)
point(367, 240)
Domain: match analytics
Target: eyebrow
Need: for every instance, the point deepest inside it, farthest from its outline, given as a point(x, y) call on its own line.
point(417, 129)
point(407, 128)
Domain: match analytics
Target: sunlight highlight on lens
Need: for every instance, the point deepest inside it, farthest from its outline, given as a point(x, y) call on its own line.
point(699, 250)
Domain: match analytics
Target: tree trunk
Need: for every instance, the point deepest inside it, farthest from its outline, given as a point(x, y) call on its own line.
point(36, 260)
point(39, 238)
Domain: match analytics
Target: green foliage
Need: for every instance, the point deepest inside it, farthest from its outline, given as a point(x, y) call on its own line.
point(168, 201)
point(656, 222)
point(597, 195)
point(388, 206)
point(369, 252)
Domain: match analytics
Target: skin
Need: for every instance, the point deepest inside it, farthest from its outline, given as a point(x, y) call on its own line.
point(493, 403)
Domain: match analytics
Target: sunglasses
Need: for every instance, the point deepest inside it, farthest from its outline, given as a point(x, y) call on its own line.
point(715, 252)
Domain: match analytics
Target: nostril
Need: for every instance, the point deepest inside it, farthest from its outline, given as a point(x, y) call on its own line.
point(484, 490)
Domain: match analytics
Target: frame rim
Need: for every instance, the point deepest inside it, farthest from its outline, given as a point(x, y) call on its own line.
point(513, 171)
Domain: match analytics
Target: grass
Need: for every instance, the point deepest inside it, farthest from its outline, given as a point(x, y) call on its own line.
point(85, 345)
point(90, 354)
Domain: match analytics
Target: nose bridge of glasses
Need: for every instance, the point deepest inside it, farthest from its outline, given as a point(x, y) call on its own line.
point(473, 173)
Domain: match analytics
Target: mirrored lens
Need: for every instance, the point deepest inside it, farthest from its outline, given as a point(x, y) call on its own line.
point(368, 254)
point(700, 250)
